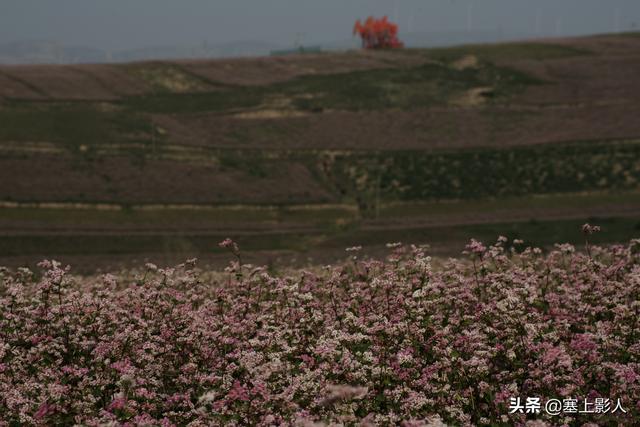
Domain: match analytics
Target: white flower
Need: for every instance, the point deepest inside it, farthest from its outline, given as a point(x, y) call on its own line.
point(208, 397)
point(418, 293)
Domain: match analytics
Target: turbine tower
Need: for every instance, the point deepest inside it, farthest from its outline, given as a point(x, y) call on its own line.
point(395, 12)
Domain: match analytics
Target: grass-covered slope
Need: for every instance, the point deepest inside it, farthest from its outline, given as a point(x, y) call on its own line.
point(360, 131)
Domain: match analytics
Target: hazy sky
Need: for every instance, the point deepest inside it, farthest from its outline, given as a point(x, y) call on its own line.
point(117, 24)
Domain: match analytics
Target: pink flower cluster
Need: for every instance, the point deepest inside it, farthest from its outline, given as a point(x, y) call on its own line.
point(403, 341)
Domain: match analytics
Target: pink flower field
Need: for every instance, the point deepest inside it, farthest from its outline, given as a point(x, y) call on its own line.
point(405, 341)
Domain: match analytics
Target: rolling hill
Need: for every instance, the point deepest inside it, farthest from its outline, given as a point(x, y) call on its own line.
point(102, 164)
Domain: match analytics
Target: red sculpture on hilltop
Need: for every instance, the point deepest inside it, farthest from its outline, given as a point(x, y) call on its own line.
point(378, 33)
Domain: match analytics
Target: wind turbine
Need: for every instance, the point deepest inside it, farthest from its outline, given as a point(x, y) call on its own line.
point(395, 12)
point(616, 20)
point(558, 27)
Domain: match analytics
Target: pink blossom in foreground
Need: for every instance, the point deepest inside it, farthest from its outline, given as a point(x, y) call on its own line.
point(407, 341)
point(590, 229)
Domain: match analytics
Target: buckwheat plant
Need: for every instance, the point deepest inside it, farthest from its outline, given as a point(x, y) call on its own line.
point(394, 342)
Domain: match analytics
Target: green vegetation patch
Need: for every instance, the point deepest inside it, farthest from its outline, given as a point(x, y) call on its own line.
point(451, 239)
point(447, 239)
point(431, 84)
point(574, 202)
point(405, 88)
point(71, 124)
point(164, 77)
point(167, 218)
point(218, 101)
point(469, 174)
point(507, 52)
point(118, 243)
point(371, 179)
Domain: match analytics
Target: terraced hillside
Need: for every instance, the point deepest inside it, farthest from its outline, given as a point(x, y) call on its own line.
point(101, 164)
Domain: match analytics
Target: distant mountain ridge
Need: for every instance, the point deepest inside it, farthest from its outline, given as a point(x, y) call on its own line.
point(450, 38)
point(50, 52)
